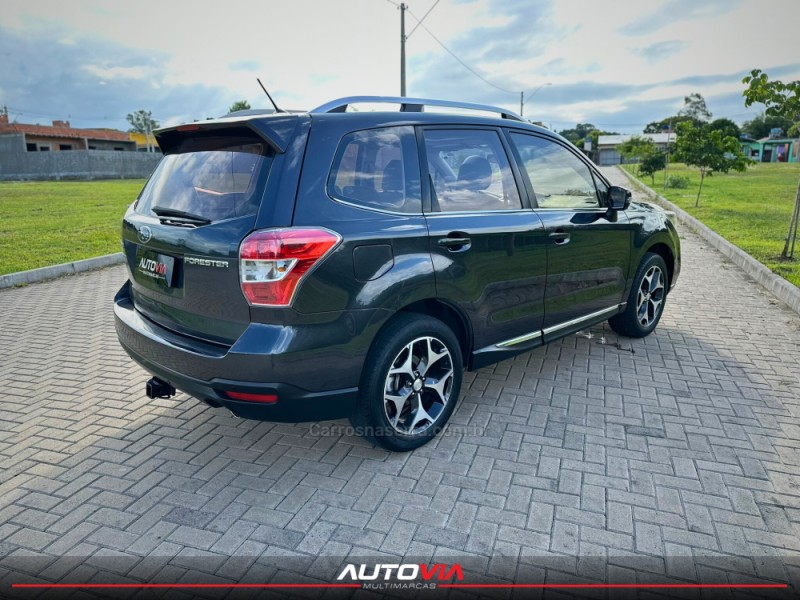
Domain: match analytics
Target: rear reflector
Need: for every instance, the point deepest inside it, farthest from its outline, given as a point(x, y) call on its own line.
point(272, 262)
point(266, 398)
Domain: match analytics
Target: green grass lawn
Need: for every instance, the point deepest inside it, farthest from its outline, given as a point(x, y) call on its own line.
point(45, 223)
point(750, 209)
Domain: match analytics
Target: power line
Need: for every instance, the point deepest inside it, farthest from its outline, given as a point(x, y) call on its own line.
point(453, 54)
point(61, 115)
point(419, 22)
point(497, 87)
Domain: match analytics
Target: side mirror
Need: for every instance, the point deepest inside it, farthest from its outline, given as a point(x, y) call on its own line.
point(618, 198)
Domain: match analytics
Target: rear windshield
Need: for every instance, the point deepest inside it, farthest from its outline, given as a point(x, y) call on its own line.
point(211, 178)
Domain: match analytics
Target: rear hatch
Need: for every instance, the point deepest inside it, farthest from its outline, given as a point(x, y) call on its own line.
point(181, 237)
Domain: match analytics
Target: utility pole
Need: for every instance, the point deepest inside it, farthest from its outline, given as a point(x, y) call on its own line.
point(404, 38)
point(522, 97)
point(403, 8)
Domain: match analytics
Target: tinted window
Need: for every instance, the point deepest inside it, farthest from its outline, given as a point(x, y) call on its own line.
point(212, 178)
point(378, 168)
point(559, 178)
point(470, 171)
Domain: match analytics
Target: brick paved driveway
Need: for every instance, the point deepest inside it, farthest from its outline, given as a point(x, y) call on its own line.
point(685, 443)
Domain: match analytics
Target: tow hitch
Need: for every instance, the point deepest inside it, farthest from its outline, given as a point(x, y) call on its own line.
point(155, 388)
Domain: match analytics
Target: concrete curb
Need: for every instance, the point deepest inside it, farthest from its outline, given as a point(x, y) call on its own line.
point(45, 273)
point(778, 286)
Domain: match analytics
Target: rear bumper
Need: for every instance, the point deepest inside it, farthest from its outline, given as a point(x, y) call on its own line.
point(312, 383)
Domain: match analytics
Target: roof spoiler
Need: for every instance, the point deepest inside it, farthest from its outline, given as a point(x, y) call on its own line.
point(278, 130)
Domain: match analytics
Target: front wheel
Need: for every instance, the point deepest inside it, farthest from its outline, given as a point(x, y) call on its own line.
point(646, 300)
point(410, 383)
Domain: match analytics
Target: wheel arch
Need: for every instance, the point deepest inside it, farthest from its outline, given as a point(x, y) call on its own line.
point(665, 252)
point(444, 312)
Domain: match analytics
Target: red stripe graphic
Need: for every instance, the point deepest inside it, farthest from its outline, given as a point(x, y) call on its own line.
point(180, 585)
point(617, 585)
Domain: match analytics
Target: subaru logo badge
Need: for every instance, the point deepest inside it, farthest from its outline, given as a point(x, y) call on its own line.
point(145, 234)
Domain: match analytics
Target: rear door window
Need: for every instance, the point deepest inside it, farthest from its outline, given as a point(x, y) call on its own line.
point(378, 169)
point(469, 171)
point(209, 179)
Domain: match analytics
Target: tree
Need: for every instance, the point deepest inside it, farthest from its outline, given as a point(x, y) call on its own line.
point(142, 121)
point(694, 111)
point(694, 106)
point(709, 151)
point(583, 132)
point(636, 147)
point(669, 124)
point(239, 105)
point(726, 126)
point(781, 100)
point(577, 134)
point(760, 126)
point(653, 162)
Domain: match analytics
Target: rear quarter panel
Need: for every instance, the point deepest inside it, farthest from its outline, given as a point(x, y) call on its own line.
point(383, 262)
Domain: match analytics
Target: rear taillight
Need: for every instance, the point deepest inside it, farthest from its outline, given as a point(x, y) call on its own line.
point(273, 262)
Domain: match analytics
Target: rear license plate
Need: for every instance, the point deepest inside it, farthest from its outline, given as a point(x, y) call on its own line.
point(156, 268)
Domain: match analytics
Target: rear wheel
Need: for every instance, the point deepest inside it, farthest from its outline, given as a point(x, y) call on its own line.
point(410, 383)
point(646, 300)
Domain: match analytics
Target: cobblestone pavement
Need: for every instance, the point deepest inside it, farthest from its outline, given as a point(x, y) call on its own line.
point(682, 444)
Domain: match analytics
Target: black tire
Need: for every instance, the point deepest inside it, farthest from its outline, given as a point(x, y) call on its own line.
point(644, 309)
point(417, 379)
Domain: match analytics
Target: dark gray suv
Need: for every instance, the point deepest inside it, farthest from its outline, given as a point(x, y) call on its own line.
point(318, 265)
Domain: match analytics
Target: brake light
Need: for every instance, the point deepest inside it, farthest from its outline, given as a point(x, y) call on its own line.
point(272, 263)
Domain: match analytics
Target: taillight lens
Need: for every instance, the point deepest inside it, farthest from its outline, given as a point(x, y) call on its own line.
point(273, 262)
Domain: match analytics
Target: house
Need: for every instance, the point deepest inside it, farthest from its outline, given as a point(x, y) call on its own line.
point(60, 137)
point(608, 145)
point(59, 151)
point(773, 148)
point(144, 142)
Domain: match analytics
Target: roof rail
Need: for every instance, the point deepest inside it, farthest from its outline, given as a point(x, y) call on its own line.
point(410, 105)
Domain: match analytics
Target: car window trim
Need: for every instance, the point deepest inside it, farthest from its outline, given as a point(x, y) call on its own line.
point(479, 212)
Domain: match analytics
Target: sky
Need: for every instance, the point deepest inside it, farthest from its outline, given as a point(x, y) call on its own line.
point(618, 64)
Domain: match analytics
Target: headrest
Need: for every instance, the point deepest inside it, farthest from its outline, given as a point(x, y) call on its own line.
point(392, 180)
point(475, 174)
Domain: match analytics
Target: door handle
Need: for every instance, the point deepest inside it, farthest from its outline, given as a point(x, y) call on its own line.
point(455, 244)
point(559, 237)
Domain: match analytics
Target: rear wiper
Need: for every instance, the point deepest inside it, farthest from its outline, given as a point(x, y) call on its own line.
point(180, 214)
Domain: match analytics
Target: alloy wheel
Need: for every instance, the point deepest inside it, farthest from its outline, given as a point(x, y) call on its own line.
point(650, 299)
point(418, 385)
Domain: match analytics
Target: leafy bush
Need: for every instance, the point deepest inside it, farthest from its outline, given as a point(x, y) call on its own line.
point(678, 182)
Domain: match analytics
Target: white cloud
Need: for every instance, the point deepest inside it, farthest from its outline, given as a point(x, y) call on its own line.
point(586, 111)
point(310, 51)
point(120, 72)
